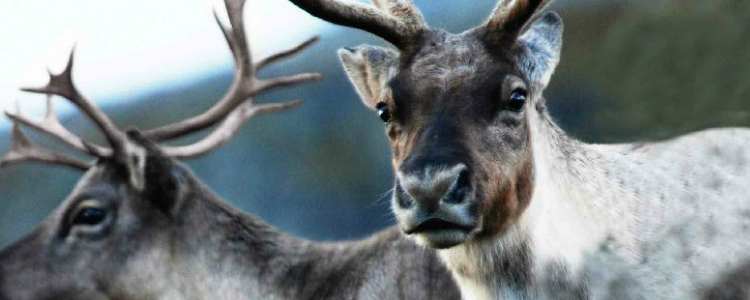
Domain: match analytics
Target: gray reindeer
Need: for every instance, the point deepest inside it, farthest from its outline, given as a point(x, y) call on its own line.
point(520, 210)
point(139, 225)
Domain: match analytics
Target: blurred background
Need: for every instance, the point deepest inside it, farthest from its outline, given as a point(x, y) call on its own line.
point(631, 71)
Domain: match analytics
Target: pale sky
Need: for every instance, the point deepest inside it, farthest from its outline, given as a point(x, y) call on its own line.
point(128, 47)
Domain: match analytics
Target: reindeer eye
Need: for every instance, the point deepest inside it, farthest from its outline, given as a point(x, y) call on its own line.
point(90, 216)
point(383, 112)
point(517, 100)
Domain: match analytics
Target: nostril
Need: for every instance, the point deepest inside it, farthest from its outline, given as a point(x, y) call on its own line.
point(458, 189)
point(463, 178)
point(402, 199)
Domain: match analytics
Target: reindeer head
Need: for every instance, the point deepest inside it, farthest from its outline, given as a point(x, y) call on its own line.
point(136, 225)
point(455, 108)
point(107, 236)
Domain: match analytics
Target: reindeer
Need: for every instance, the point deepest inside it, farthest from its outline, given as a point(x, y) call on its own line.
point(518, 209)
point(140, 225)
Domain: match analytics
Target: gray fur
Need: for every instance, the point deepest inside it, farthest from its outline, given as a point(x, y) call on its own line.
point(664, 220)
point(670, 230)
point(177, 240)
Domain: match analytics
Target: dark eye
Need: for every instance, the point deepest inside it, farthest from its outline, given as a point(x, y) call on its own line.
point(517, 100)
point(383, 112)
point(90, 216)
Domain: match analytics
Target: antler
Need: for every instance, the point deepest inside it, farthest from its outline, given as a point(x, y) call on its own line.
point(123, 150)
point(51, 126)
point(233, 110)
point(397, 21)
point(511, 16)
point(62, 85)
point(227, 129)
point(244, 85)
point(22, 150)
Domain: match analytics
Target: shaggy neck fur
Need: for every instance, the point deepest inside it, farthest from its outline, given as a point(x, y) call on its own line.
point(577, 206)
point(230, 255)
point(233, 255)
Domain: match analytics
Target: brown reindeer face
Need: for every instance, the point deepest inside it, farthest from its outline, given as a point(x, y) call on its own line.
point(456, 111)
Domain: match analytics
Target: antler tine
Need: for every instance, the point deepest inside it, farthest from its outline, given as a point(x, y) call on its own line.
point(281, 55)
point(404, 10)
point(23, 150)
point(50, 126)
point(62, 85)
point(228, 128)
point(243, 56)
point(396, 21)
point(285, 81)
point(244, 85)
point(228, 36)
point(510, 16)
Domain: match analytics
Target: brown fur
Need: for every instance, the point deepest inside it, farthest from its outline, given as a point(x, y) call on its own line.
point(456, 122)
point(507, 201)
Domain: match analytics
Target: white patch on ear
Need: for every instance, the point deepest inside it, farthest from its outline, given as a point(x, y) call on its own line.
point(182, 190)
point(369, 68)
point(542, 43)
point(135, 156)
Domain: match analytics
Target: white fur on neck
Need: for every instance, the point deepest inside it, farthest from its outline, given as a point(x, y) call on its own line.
point(569, 216)
point(191, 278)
point(471, 264)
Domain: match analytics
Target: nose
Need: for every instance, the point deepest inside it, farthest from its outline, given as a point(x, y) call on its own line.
point(433, 187)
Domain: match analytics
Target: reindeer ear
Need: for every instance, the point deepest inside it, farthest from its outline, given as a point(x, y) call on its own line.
point(369, 69)
point(542, 44)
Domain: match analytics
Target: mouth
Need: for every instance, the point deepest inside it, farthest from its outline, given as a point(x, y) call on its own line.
point(440, 234)
point(433, 225)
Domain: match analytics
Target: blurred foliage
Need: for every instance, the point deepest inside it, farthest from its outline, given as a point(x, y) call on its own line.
point(630, 71)
point(669, 68)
